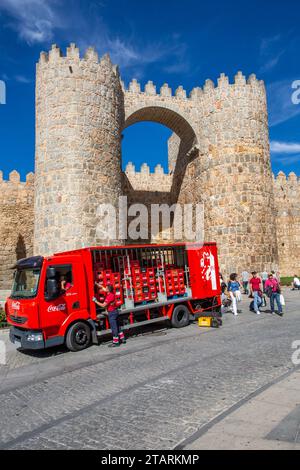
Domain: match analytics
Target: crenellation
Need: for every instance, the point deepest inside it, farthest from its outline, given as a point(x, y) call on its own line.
point(281, 177)
point(150, 88)
point(252, 80)
point(240, 79)
point(91, 55)
point(208, 86)
point(30, 178)
point(73, 52)
point(158, 170)
point(14, 177)
point(145, 169)
point(223, 81)
point(44, 57)
point(180, 93)
point(55, 54)
point(166, 91)
point(134, 86)
point(130, 168)
point(106, 60)
point(196, 94)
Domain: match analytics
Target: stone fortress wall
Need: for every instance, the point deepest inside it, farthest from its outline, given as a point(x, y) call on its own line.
point(219, 155)
point(17, 214)
point(287, 201)
point(16, 223)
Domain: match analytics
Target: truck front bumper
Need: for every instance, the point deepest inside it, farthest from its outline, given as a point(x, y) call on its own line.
point(26, 339)
point(33, 339)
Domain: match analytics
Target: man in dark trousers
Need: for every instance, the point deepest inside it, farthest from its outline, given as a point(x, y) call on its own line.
point(113, 315)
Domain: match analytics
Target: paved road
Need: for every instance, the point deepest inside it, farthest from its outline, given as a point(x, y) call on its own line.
point(153, 393)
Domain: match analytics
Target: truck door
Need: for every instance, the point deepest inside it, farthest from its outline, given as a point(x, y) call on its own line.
point(71, 298)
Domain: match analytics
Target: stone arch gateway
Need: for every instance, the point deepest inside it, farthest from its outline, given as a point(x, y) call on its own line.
point(219, 155)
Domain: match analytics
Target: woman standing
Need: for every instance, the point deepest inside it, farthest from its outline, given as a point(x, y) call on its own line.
point(113, 315)
point(273, 292)
point(234, 291)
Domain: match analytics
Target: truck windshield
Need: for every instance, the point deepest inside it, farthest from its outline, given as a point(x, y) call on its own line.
point(26, 283)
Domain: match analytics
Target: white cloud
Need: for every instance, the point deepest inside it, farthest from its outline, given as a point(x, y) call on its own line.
point(286, 153)
point(285, 160)
point(285, 147)
point(34, 20)
point(270, 52)
point(268, 43)
point(22, 79)
point(271, 63)
point(37, 21)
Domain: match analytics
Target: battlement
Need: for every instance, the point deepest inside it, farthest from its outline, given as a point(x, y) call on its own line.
point(196, 93)
point(14, 179)
point(55, 56)
point(144, 180)
point(145, 169)
point(282, 178)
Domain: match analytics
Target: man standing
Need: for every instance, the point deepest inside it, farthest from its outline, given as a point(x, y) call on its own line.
point(245, 281)
point(273, 291)
point(255, 283)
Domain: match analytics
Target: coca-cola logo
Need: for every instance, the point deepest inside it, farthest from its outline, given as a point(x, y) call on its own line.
point(16, 305)
point(57, 308)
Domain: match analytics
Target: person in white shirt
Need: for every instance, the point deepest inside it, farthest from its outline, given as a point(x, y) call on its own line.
point(264, 278)
point(296, 283)
point(245, 281)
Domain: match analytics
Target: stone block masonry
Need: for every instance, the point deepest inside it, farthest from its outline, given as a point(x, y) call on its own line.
point(287, 198)
point(79, 108)
point(16, 223)
point(219, 156)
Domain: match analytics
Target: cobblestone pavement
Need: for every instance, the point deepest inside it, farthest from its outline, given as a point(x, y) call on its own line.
point(152, 393)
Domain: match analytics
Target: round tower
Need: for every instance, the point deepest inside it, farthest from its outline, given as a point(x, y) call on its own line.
point(79, 117)
point(233, 174)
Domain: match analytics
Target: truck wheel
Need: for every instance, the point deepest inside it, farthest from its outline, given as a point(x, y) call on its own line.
point(180, 317)
point(78, 337)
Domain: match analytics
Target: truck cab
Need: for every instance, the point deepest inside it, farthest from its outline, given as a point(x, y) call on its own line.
point(48, 294)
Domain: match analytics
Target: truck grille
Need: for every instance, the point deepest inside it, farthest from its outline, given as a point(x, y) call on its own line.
point(19, 320)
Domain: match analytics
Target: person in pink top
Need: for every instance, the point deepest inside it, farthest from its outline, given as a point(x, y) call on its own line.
point(65, 284)
point(273, 292)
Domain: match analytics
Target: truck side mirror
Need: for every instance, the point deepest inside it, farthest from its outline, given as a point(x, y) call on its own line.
point(51, 273)
point(53, 290)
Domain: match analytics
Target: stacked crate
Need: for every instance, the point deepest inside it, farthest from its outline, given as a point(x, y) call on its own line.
point(174, 283)
point(143, 283)
point(138, 281)
point(151, 284)
point(107, 277)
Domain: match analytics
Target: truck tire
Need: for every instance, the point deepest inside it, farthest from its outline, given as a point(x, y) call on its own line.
point(78, 337)
point(180, 317)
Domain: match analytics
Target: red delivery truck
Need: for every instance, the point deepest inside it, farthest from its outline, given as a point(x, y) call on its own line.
point(51, 302)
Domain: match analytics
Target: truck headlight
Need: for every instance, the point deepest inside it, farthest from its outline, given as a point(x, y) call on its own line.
point(34, 337)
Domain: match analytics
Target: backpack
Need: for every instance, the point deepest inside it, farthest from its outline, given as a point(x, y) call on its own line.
point(269, 291)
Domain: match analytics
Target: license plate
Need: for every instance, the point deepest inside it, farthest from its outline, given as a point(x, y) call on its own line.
point(18, 344)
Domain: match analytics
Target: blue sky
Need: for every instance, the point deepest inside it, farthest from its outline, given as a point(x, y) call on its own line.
point(178, 42)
